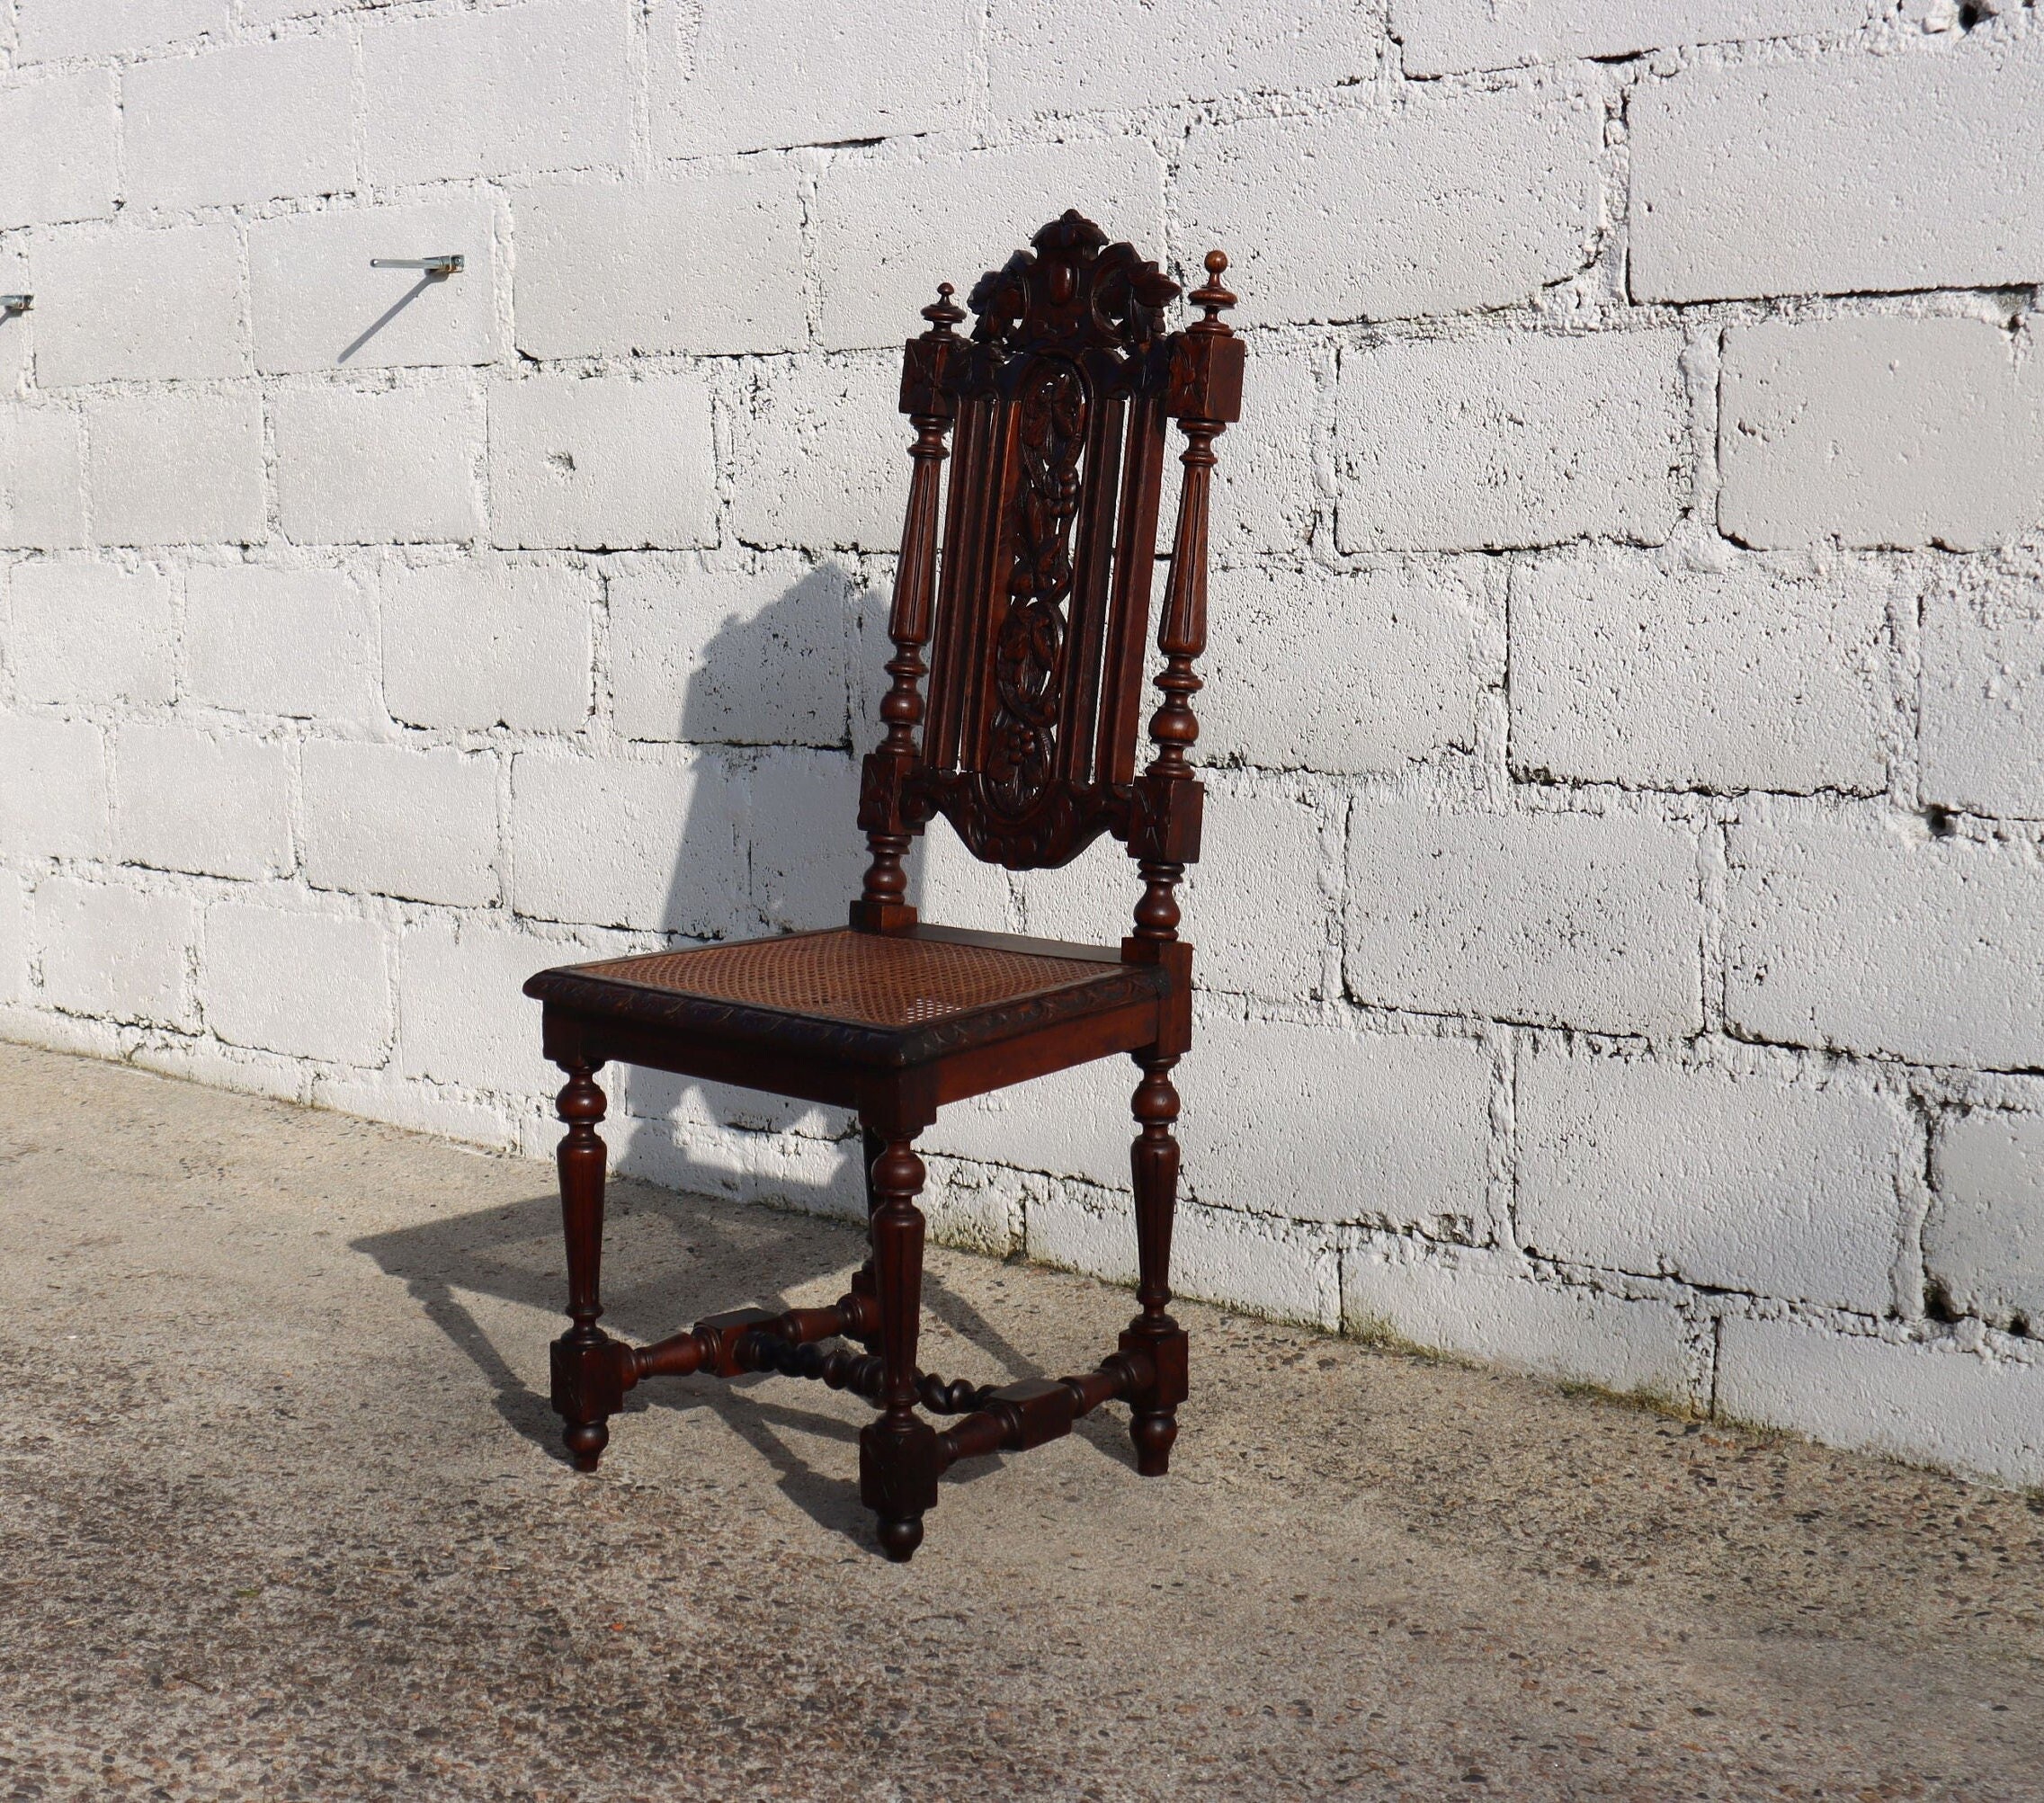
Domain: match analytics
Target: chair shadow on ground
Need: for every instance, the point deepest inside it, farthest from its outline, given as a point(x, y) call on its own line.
point(673, 1255)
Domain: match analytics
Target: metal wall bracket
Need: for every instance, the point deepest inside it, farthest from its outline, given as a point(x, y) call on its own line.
point(451, 265)
point(15, 303)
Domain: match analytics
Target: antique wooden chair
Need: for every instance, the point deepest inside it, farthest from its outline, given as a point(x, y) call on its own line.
point(1028, 747)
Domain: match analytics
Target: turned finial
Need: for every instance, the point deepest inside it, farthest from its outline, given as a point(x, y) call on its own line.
point(1211, 296)
point(943, 314)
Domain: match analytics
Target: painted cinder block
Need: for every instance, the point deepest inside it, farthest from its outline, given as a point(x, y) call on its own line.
point(749, 74)
point(645, 842)
point(213, 805)
point(57, 147)
point(1627, 669)
point(176, 465)
point(54, 803)
point(240, 124)
point(807, 415)
point(117, 953)
point(1513, 439)
point(91, 633)
point(49, 29)
point(318, 304)
point(707, 260)
point(1308, 671)
point(484, 642)
point(1984, 1240)
point(601, 462)
point(96, 326)
point(385, 819)
point(462, 1017)
point(1189, 48)
point(1928, 1402)
point(1442, 204)
point(1857, 935)
point(1980, 731)
point(1578, 920)
point(1259, 903)
point(1267, 490)
point(358, 465)
point(309, 985)
point(1447, 36)
point(17, 330)
point(263, 641)
point(43, 478)
point(1837, 174)
point(1890, 430)
point(1413, 1145)
point(1487, 1305)
point(731, 656)
point(515, 88)
point(889, 222)
point(795, 812)
point(1746, 1183)
point(14, 937)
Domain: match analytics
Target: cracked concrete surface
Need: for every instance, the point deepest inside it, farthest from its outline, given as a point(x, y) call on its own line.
point(282, 1517)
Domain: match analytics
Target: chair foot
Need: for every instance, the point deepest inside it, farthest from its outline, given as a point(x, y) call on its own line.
point(900, 1535)
point(1153, 1431)
point(586, 1441)
point(588, 1389)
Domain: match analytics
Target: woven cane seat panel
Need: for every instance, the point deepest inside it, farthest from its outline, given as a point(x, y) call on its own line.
point(863, 977)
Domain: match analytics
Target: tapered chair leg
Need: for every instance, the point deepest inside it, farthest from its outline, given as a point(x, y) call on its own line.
point(898, 1450)
point(587, 1383)
point(1153, 1422)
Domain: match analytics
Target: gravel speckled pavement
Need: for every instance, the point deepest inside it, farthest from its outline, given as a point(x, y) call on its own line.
point(282, 1516)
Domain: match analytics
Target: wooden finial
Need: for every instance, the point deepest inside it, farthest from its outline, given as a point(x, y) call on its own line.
point(1211, 295)
point(943, 314)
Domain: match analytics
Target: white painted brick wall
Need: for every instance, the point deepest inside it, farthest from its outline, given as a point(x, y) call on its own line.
point(42, 478)
point(1563, 919)
point(1870, 939)
point(1624, 643)
point(1737, 1182)
point(48, 30)
point(178, 466)
point(1446, 37)
point(597, 264)
point(54, 800)
point(1982, 724)
point(1442, 204)
point(1834, 175)
point(246, 122)
point(1512, 439)
point(607, 462)
point(119, 954)
point(91, 633)
point(134, 305)
point(58, 146)
point(318, 304)
point(539, 86)
point(483, 644)
point(1985, 1241)
point(212, 804)
point(1907, 432)
point(365, 466)
point(263, 641)
point(1747, 678)
point(383, 819)
point(260, 966)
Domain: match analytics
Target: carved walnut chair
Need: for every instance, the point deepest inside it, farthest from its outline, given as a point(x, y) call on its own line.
point(1027, 747)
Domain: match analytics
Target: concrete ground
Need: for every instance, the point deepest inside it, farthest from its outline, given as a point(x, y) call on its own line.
point(282, 1515)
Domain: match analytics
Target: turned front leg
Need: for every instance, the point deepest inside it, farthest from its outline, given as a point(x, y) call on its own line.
point(898, 1450)
point(587, 1384)
point(1153, 1422)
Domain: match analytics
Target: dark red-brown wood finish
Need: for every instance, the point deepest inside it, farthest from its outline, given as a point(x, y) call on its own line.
point(1031, 573)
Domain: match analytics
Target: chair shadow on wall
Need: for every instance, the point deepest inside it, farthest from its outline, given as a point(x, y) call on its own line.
point(673, 1255)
